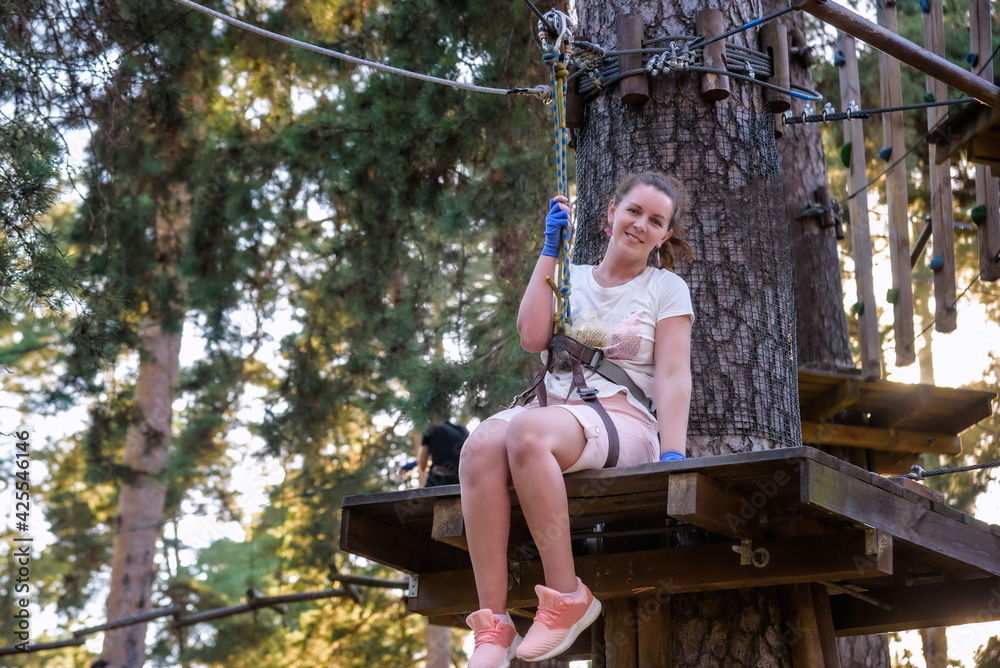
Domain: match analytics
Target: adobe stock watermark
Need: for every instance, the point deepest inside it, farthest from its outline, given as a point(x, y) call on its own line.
point(21, 616)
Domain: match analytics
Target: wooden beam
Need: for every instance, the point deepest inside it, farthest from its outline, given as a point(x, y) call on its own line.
point(919, 607)
point(902, 49)
point(987, 188)
point(709, 23)
point(718, 507)
point(449, 525)
point(861, 241)
point(849, 497)
point(877, 438)
point(664, 572)
point(631, 30)
point(395, 546)
point(839, 397)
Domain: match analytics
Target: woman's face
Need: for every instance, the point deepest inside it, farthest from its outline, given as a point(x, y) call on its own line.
point(640, 222)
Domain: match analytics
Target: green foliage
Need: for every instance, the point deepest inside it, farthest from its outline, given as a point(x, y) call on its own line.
point(988, 655)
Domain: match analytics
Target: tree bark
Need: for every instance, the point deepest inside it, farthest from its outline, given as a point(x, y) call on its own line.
point(139, 521)
point(745, 393)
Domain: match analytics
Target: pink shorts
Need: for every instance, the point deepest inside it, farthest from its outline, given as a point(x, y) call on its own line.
point(639, 442)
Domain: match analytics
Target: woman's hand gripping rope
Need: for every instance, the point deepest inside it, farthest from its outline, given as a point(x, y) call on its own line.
point(556, 223)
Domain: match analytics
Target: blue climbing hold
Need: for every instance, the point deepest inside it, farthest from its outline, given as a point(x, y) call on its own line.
point(885, 153)
point(936, 263)
point(925, 6)
point(972, 58)
point(838, 59)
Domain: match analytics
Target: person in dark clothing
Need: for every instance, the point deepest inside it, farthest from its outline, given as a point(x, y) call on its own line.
point(438, 453)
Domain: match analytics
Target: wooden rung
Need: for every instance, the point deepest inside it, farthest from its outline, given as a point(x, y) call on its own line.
point(709, 23)
point(448, 524)
point(714, 506)
point(774, 42)
point(631, 30)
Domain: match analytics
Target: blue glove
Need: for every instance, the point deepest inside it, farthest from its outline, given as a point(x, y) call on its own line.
point(671, 456)
point(408, 466)
point(555, 222)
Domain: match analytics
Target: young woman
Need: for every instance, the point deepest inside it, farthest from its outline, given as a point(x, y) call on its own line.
point(639, 315)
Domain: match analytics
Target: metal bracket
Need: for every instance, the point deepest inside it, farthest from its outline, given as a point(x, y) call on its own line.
point(413, 588)
point(748, 555)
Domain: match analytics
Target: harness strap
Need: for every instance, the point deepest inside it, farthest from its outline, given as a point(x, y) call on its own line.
point(593, 359)
point(589, 395)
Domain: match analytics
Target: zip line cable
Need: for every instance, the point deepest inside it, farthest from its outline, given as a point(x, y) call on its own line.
point(539, 91)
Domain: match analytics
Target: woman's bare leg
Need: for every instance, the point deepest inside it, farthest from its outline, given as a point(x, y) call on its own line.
point(540, 444)
point(485, 478)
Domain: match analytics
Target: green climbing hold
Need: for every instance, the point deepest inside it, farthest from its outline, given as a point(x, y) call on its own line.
point(845, 154)
point(858, 308)
point(978, 214)
point(885, 153)
point(892, 295)
point(929, 97)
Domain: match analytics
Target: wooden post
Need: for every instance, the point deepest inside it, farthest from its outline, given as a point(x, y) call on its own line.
point(987, 190)
point(598, 658)
point(942, 217)
point(621, 647)
point(655, 641)
point(631, 30)
point(574, 103)
point(709, 23)
point(774, 42)
point(896, 196)
point(808, 628)
point(861, 243)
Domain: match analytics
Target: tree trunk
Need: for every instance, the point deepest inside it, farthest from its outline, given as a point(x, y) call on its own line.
point(821, 326)
point(745, 394)
point(141, 497)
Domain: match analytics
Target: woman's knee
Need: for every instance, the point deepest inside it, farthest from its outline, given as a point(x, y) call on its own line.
point(529, 435)
point(484, 452)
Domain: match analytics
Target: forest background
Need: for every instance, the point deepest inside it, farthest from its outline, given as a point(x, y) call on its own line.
point(351, 257)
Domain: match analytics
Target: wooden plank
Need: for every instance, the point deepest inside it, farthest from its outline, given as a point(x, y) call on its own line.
point(896, 194)
point(942, 217)
point(655, 636)
point(877, 438)
point(987, 188)
point(663, 572)
point(848, 497)
point(919, 607)
point(717, 507)
point(620, 638)
point(449, 525)
point(861, 241)
point(836, 399)
point(598, 659)
point(396, 547)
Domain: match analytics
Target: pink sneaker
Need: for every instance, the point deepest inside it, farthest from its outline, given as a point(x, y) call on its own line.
point(496, 641)
point(560, 619)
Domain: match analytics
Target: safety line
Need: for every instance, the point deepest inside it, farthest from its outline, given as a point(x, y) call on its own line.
point(537, 91)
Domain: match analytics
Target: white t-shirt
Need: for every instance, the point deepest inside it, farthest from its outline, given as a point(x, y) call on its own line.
point(621, 321)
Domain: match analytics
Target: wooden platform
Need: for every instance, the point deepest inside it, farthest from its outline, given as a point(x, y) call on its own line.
point(666, 528)
point(896, 421)
point(975, 128)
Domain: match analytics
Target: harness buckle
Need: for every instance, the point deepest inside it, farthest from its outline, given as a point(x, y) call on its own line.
point(587, 393)
point(596, 360)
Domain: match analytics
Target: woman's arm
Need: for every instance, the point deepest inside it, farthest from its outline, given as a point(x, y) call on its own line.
point(672, 381)
point(535, 317)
